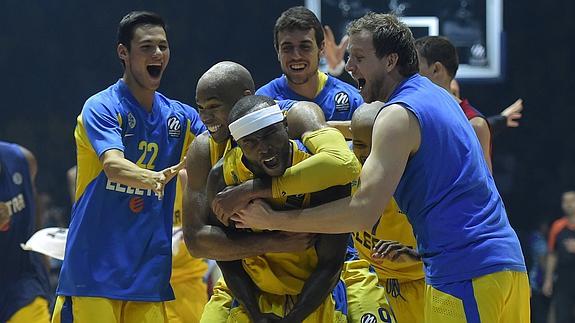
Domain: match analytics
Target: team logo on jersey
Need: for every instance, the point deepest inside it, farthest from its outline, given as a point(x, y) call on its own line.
point(341, 101)
point(131, 120)
point(17, 178)
point(368, 318)
point(136, 204)
point(174, 127)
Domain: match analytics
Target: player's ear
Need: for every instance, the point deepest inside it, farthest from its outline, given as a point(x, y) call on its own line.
point(122, 52)
point(391, 61)
point(247, 92)
point(437, 68)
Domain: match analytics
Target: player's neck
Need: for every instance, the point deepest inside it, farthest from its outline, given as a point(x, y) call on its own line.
point(389, 85)
point(307, 89)
point(571, 218)
point(145, 97)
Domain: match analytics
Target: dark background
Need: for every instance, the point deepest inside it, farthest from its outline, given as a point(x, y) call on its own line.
point(55, 54)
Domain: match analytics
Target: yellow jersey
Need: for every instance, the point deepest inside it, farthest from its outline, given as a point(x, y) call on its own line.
point(275, 273)
point(392, 225)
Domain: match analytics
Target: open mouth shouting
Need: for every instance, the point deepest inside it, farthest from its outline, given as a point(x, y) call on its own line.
point(271, 162)
point(214, 127)
point(360, 84)
point(155, 70)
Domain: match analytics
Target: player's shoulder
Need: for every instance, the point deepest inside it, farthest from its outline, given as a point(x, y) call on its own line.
point(106, 99)
point(271, 88)
point(336, 84)
point(178, 107)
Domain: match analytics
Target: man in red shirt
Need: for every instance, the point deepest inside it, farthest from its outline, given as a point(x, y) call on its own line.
point(561, 261)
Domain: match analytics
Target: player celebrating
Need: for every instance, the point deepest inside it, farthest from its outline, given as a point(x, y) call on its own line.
point(118, 254)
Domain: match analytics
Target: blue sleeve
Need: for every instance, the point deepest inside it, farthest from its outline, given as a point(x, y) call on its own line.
point(100, 121)
point(196, 124)
point(355, 103)
point(286, 104)
point(265, 90)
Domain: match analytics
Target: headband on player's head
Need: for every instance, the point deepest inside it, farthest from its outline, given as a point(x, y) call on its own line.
point(256, 121)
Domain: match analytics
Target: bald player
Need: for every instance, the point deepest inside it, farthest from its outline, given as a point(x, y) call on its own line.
point(217, 91)
point(389, 245)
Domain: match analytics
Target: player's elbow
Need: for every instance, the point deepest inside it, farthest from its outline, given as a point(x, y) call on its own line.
point(193, 244)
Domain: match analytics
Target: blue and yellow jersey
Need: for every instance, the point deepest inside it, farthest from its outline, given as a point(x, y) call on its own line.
point(337, 99)
point(22, 274)
point(276, 273)
point(392, 225)
point(119, 241)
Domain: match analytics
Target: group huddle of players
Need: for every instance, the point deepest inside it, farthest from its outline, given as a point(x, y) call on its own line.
point(150, 167)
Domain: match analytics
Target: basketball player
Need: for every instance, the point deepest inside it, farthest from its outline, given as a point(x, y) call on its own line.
point(390, 244)
point(23, 276)
point(425, 151)
point(130, 143)
point(299, 42)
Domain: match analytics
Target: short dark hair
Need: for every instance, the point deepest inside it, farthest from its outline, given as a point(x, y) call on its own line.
point(438, 49)
point(248, 104)
point(133, 20)
point(298, 18)
point(389, 36)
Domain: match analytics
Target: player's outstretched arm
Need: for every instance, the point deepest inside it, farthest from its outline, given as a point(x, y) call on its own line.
point(121, 170)
point(205, 236)
point(396, 136)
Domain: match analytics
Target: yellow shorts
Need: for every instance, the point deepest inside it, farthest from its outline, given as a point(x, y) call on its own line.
point(218, 307)
point(223, 308)
point(357, 298)
point(366, 299)
point(36, 312)
point(103, 310)
point(406, 299)
point(191, 297)
point(500, 297)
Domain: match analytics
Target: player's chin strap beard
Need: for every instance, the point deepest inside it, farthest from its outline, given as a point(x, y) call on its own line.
point(255, 121)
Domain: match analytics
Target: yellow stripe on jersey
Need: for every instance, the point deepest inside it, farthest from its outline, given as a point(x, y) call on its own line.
point(392, 225)
point(89, 165)
point(275, 273)
point(188, 138)
point(217, 150)
point(322, 81)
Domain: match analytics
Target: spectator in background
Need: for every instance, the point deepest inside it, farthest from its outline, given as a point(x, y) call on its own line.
point(537, 248)
point(559, 277)
point(508, 118)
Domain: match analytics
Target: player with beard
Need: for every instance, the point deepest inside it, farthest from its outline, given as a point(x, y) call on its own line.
point(426, 154)
point(117, 262)
point(299, 42)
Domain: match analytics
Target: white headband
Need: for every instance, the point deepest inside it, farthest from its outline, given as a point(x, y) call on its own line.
point(255, 121)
